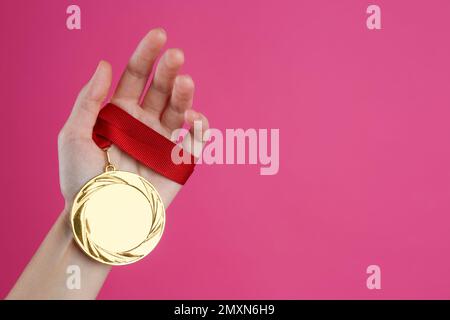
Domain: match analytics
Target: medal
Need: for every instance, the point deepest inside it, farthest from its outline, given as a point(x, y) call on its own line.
point(117, 217)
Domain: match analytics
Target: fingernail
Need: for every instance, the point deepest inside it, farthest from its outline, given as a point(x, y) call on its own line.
point(191, 115)
point(174, 58)
point(161, 31)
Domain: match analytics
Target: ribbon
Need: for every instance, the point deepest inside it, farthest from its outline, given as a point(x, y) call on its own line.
point(116, 126)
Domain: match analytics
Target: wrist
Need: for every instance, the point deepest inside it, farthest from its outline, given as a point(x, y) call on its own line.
point(64, 220)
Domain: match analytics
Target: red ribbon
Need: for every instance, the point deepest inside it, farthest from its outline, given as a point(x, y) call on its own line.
point(116, 126)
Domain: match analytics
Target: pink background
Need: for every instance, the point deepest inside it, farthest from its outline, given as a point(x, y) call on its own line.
point(364, 154)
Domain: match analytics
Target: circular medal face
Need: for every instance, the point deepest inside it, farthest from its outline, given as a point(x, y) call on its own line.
point(118, 217)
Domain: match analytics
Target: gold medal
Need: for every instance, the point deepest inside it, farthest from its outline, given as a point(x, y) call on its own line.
point(117, 217)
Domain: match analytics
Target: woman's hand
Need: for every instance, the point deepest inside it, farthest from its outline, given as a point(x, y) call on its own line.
point(164, 107)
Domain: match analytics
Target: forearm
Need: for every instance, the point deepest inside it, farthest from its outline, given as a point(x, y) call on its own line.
point(45, 277)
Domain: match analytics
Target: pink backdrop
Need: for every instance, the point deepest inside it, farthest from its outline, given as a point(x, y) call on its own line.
point(364, 153)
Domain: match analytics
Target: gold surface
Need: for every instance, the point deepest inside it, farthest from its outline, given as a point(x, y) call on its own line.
point(117, 217)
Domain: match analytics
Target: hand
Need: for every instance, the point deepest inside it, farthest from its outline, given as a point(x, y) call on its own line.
point(164, 107)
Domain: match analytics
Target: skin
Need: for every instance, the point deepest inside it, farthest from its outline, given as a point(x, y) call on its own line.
point(164, 107)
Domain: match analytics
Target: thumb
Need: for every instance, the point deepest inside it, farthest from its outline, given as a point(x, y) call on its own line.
point(88, 103)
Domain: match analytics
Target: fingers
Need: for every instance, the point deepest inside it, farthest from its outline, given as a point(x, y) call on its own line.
point(161, 88)
point(180, 101)
point(197, 133)
point(88, 103)
point(135, 76)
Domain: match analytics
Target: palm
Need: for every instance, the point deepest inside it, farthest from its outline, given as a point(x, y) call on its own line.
point(162, 108)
